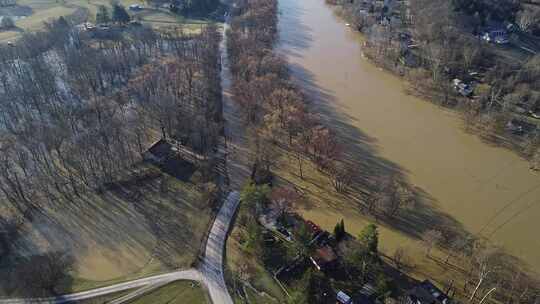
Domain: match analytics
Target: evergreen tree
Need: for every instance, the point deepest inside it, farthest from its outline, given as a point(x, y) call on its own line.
point(198, 7)
point(254, 195)
point(316, 288)
point(120, 15)
point(102, 15)
point(339, 230)
point(61, 22)
point(369, 237)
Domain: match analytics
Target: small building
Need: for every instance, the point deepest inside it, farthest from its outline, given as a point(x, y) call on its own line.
point(159, 151)
point(495, 35)
point(324, 258)
point(171, 158)
point(426, 293)
point(343, 298)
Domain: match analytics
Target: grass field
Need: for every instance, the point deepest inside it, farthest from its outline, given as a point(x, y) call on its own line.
point(173, 293)
point(138, 228)
point(176, 293)
point(106, 299)
point(44, 10)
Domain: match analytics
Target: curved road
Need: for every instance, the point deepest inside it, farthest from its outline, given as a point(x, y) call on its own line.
point(210, 273)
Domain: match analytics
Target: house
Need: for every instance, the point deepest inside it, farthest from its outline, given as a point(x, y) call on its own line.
point(495, 35)
point(324, 258)
point(343, 298)
point(159, 151)
point(426, 293)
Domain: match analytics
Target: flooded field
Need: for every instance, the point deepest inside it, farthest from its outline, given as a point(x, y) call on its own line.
point(486, 189)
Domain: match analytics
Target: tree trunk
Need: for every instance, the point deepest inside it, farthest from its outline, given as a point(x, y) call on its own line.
point(487, 294)
point(476, 289)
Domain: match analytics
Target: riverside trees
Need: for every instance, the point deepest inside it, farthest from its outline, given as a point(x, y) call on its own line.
point(272, 106)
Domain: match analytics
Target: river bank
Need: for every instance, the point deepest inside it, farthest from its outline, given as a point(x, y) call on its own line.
point(485, 189)
point(492, 86)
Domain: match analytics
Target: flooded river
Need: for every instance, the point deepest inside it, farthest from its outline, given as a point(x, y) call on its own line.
point(482, 187)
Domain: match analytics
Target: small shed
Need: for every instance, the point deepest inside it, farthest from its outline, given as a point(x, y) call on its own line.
point(343, 298)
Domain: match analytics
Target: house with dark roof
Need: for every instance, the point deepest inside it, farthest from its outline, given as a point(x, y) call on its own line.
point(171, 159)
point(427, 293)
point(159, 151)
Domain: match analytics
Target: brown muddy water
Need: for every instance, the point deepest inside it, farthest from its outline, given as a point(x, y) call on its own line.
point(483, 188)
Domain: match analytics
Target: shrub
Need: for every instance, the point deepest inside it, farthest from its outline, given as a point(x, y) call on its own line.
point(7, 23)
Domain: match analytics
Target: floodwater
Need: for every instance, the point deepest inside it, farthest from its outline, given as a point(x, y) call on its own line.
point(483, 188)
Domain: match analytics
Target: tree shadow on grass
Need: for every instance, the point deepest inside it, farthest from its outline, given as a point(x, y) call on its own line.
point(39, 275)
point(131, 225)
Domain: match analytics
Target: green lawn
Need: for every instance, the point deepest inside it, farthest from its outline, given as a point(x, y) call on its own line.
point(181, 292)
point(44, 10)
point(173, 293)
point(147, 227)
point(107, 298)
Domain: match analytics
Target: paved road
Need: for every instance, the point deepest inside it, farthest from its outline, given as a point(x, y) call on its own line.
point(212, 266)
point(191, 274)
point(210, 273)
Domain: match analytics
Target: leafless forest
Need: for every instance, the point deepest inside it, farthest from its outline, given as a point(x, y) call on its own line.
point(77, 112)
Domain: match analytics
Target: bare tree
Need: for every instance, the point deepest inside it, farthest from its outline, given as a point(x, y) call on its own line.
point(341, 174)
point(526, 18)
point(486, 261)
point(401, 258)
point(431, 238)
point(285, 198)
